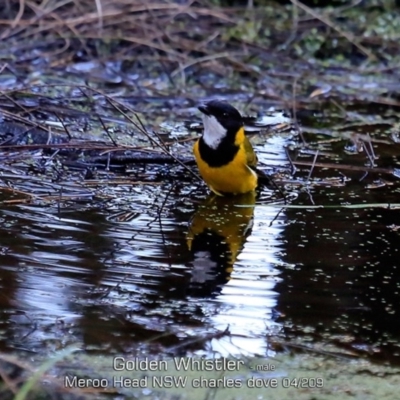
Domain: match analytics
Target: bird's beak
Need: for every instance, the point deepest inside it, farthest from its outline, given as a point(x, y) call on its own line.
point(203, 108)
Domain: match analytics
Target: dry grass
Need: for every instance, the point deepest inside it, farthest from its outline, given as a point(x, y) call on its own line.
point(60, 29)
point(181, 34)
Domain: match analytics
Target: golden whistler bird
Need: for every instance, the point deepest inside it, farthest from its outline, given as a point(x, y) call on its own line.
point(224, 155)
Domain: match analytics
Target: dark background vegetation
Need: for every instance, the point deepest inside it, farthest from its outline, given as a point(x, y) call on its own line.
point(254, 39)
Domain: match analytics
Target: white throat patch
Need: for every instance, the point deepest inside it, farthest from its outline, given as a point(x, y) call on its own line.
point(214, 132)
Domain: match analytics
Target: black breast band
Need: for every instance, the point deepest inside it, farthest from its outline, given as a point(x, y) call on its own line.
point(222, 155)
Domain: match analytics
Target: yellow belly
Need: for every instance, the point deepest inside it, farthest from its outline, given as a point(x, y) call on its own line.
point(235, 177)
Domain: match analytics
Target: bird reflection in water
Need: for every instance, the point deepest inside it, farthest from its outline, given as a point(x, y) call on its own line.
point(216, 237)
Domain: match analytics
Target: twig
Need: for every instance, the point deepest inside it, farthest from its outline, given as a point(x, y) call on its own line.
point(312, 165)
point(117, 105)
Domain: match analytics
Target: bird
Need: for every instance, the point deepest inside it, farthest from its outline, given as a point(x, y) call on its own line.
point(224, 155)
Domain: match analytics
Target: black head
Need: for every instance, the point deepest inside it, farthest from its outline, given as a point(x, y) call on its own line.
point(227, 115)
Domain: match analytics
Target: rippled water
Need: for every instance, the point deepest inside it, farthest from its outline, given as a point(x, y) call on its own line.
point(171, 270)
point(78, 272)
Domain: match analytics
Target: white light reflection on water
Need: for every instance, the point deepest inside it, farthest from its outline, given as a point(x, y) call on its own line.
point(246, 302)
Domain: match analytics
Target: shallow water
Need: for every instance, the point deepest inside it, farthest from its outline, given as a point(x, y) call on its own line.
point(169, 268)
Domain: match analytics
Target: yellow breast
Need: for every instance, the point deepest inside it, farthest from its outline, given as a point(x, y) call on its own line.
point(235, 177)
